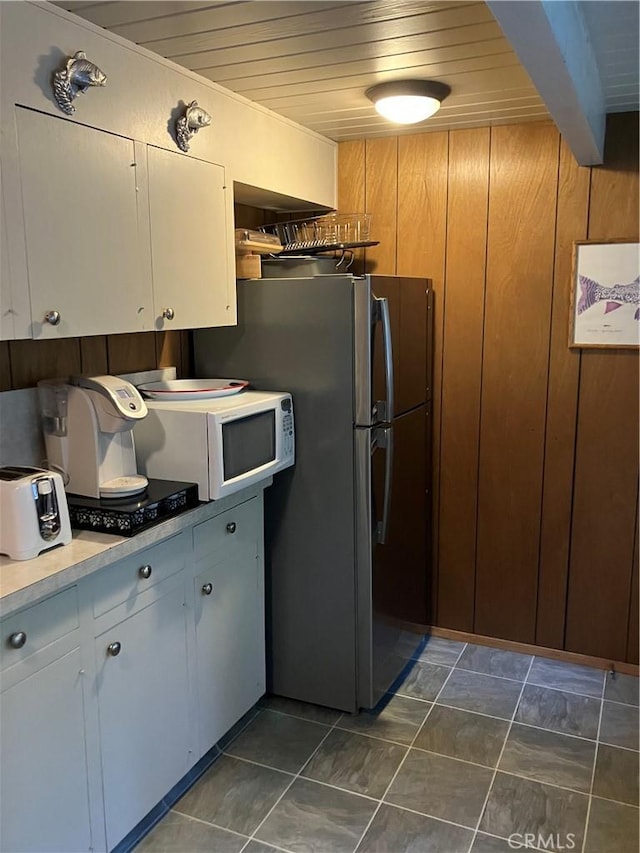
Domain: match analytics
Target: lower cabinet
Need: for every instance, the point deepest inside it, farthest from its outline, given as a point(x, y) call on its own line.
point(143, 704)
point(114, 688)
point(44, 802)
point(229, 617)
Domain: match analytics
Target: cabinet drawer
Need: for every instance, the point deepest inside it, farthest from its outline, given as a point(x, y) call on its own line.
point(124, 580)
point(229, 532)
point(42, 624)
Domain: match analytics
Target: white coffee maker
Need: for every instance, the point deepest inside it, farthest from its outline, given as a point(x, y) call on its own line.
point(88, 423)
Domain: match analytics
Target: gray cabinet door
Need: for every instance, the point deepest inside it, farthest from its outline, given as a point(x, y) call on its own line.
point(230, 642)
point(43, 762)
point(86, 240)
point(191, 242)
point(144, 710)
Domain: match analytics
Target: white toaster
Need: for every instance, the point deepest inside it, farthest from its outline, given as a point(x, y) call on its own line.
point(33, 512)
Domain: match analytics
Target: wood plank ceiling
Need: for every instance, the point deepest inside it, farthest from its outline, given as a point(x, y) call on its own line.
point(312, 61)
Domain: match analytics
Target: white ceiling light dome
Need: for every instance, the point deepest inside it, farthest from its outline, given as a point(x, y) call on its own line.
point(408, 101)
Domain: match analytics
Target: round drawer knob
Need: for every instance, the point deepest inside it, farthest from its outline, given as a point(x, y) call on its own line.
point(207, 589)
point(168, 313)
point(144, 572)
point(114, 649)
point(17, 640)
point(231, 527)
point(52, 317)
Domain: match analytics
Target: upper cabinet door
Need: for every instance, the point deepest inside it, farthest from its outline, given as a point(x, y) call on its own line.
point(191, 240)
point(86, 251)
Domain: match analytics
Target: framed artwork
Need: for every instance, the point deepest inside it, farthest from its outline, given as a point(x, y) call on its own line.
point(605, 294)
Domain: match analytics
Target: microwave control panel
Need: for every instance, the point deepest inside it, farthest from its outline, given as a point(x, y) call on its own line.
point(287, 428)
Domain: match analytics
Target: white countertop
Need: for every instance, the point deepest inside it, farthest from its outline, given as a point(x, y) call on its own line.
point(22, 582)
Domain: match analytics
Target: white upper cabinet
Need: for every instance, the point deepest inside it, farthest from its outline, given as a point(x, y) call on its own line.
point(83, 215)
point(85, 249)
point(190, 242)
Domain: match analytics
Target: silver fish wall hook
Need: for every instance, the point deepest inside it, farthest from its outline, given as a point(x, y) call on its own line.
point(74, 79)
point(189, 124)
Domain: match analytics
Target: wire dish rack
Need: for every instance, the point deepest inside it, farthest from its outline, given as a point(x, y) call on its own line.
point(332, 232)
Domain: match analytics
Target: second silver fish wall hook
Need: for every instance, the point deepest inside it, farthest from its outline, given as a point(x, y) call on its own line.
point(74, 79)
point(189, 124)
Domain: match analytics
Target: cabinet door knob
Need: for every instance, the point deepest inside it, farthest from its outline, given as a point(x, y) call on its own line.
point(17, 639)
point(231, 527)
point(207, 589)
point(114, 649)
point(145, 571)
point(168, 313)
point(52, 317)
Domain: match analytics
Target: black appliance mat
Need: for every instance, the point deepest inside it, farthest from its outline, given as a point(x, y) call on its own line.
point(127, 516)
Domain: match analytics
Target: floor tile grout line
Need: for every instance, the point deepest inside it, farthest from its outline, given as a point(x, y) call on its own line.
point(565, 690)
point(617, 802)
point(495, 772)
point(426, 751)
point(260, 764)
point(490, 674)
point(299, 716)
point(595, 763)
point(296, 776)
point(208, 823)
point(424, 814)
point(399, 767)
point(337, 725)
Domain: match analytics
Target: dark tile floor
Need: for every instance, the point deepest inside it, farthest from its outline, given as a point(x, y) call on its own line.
point(476, 745)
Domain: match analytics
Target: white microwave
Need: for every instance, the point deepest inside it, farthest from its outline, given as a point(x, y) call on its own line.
point(222, 444)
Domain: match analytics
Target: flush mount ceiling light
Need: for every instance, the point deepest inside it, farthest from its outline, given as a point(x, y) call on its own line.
point(408, 101)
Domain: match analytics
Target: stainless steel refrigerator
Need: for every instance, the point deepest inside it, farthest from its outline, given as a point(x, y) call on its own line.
point(346, 529)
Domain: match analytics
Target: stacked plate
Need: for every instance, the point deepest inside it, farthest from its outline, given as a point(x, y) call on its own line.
point(192, 389)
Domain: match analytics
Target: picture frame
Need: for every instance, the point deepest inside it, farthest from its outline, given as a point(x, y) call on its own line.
point(605, 294)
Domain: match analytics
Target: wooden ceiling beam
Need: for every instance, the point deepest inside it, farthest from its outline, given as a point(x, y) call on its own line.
point(551, 40)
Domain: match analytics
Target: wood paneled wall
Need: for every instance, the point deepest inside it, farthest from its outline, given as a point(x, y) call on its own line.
point(23, 363)
point(535, 444)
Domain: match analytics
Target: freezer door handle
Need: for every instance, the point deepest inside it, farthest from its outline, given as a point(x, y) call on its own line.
point(384, 439)
point(385, 407)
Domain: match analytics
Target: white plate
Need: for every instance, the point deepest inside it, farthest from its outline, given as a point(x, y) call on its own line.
point(192, 389)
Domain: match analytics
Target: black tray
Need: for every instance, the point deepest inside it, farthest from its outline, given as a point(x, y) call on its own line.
point(161, 499)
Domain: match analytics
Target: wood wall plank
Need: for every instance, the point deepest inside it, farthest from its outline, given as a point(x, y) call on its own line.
point(351, 176)
point(633, 639)
point(169, 350)
point(246, 216)
point(34, 360)
point(422, 236)
point(381, 199)
point(520, 249)
point(351, 188)
point(603, 524)
point(93, 355)
point(422, 207)
point(564, 370)
point(462, 374)
point(5, 367)
point(129, 353)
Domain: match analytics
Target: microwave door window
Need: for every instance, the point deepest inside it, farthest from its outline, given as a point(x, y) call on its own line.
point(248, 443)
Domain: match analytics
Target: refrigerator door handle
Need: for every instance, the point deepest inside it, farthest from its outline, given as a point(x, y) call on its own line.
point(385, 407)
point(385, 440)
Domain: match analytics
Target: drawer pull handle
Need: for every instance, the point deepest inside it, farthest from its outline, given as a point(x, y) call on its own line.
point(114, 649)
point(17, 640)
point(168, 313)
point(207, 589)
point(231, 527)
point(144, 572)
point(52, 317)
